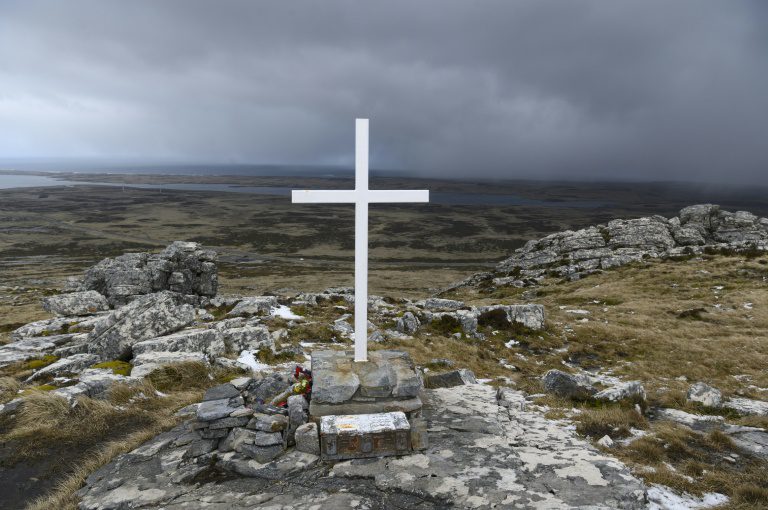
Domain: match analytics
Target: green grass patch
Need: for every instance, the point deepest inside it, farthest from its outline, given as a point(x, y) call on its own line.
point(118, 367)
point(39, 363)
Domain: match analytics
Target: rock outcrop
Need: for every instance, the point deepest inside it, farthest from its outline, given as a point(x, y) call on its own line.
point(575, 254)
point(76, 303)
point(144, 318)
point(183, 267)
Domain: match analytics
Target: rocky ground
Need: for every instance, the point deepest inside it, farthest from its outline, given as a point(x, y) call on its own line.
point(610, 397)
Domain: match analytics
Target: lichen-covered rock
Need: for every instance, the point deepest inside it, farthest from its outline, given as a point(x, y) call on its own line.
point(747, 406)
point(71, 365)
point(145, 318)
point(631, 390)
point(408, 323)
point(254, 305)
point(298, 414)
point(705, 394)
point(182, 267)
point(205, 341)
point(147, 362)
point(450, 379)
point(307, 438)
point(441, 305)
point(76, 303)
point(567, 385)
point(531, 316)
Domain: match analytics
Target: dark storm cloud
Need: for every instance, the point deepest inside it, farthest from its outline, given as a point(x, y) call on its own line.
point(641, 90)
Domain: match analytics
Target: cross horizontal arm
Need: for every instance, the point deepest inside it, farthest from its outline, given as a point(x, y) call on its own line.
point(333, 196)
point(346, 196)
point(397, 195)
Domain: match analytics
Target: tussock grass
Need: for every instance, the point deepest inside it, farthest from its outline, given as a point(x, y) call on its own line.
point(9, 388)
point(611, 420)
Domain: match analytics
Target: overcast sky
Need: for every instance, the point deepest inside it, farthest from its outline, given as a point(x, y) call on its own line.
point(642, 90)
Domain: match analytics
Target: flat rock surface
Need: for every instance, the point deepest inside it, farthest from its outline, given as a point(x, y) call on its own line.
point(481, 455)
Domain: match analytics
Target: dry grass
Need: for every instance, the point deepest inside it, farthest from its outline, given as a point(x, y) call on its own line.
point(611, 420)
point(92, 432)
point(9, 388)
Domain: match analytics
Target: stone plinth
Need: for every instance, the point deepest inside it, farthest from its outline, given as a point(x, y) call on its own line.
point(364, 435)
point(387, 382)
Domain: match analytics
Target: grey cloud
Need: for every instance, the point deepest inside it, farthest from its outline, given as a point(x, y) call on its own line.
point(640, 90)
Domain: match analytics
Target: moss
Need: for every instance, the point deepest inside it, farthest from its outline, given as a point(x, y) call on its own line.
point(270, 358)
point(117, 367)
point(41, 387)
point(37, 364)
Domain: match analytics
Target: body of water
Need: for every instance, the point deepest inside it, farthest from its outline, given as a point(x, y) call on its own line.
point(441, 198)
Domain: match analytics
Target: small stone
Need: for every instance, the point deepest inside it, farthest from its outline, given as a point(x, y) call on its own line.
point(605, 441)
point(241, 411)
point(450, 379)
point(268, 422)
point(566, 385)
point(631, 390)
point(241, 382)
point(214, 409)
point(297, 415)
point(200, 447)
point(307, 438)
point(705, 394)
point(262, 454)
point(228, 422)
point(267, 438)
point(221, 391)
point(214, 433)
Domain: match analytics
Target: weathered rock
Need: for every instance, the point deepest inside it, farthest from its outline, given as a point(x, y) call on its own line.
point(31, 348)
point(205, 341)
point(262, 454)
point(254, 305)
point(449, 379)
point(701, 422)
point(247, 338)
point(531, 316)
point(298, 414)
point(211, 410)
point(221, 391)
point(705, 394)
point(76, 303)
point(511, 458)
point(605, 442)
point(341, 386)
point(200, 447)
point(92, 383)
point(442, 305)
point(182, 267)
point(408, 323)
point(419, 437)
point(308, 439)
point(747, 406)
point(268, 422)
point(71, 365)
point(265, 389)
point(632, 390)
point(146, 317)
point(146, 363)
point(566, 385)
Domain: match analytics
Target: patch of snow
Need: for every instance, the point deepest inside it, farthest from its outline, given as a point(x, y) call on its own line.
point(484, 381)
point(578, 312)
point(284, 312)
point(247, 358)
point(511, 343)
point(662, 498)
point(748, 306)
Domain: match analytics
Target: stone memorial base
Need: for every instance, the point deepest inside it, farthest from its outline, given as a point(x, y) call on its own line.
point(364, 435)
point(387, 382)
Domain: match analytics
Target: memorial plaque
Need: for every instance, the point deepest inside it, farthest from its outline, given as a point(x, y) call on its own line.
point(364, 435)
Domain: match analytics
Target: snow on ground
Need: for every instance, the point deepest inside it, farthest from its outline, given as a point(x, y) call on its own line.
point(284, 312)
point(662, 498)
point(247, 358)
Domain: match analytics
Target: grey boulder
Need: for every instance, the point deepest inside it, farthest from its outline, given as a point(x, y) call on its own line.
point(147, 317)
point(76, 303)
point(705, 395)
point(566, 385)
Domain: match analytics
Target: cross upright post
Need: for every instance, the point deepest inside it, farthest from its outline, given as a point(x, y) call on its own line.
point(361, 196)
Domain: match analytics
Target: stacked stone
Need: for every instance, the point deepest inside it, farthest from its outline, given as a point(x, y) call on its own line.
point(236, 417)
point(183, 267)
point(387, 382)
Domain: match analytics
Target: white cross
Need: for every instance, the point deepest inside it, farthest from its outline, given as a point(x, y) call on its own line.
point(361, 196)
